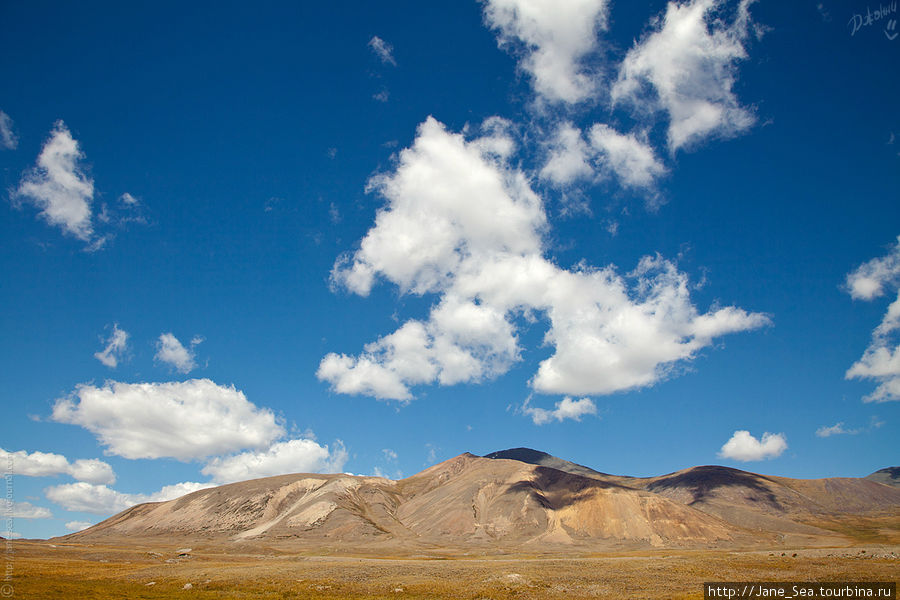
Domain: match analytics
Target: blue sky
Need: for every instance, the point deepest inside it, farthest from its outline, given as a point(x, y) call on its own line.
point(240, 240)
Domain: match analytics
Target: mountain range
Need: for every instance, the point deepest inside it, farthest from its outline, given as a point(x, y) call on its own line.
point(519, 500)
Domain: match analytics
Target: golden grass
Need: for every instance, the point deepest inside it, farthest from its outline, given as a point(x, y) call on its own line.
point(96, 572)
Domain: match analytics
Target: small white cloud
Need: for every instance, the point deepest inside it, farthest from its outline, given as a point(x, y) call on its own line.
point(881, 360)
point(389, 455)
point(568, 158)
point(171, 351)
point(565, 409)
point(836, 429)
point(103, 500)
point(687, 68)
point(128, 200)
point(382, 96)
point(631, 159)
point(12, 535)
point(744, 447)
point(8, 139)
point(46, 464)
point(58, 186)
point(116, 346)
point(382, 50)
point(25, 510)
point(186, 420)
point(292, 456)
point(78, 525)
point(553, 39)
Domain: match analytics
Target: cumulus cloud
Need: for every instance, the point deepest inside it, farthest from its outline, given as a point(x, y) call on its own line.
point(26, 510)
point(8, 139)
point(292, 456)
point(184, 420)
point(172, 352)
point(881, 360)
point(569, 156)
point(116, 346)
point(744, 447)
point(462, 223)
point(382, 50)
point(103, 500)
point(631, 159)
point(627, 157)
point(46, 464)
point(687, 68)
point(58, 186)
point(78, 525)
point(554, 39)
point(567, 408)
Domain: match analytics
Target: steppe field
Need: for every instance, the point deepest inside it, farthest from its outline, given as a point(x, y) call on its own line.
point(41, 570)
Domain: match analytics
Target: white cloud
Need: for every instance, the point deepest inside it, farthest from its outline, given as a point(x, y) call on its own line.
point(383, 50)
point(78, 525)
point(554, 39)
point(631, 159)
point(171, 351)
point(58, 186)
point(26, 510)
point(565, 409)
point(45, 464)
point(292, 456)
point(687, 67)
point(389, 455)
point(103, 500)
point(881, 360)
point(836, 429)
point(744, 447)
point(183, 420)
point(116, 346)
point(8, 137)
point(462, 223)
point(128, 200)
point(12, 535)
point(568, 158)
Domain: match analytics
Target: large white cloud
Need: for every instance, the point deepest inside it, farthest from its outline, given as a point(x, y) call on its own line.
point(184, 420)
point(462, 223)
point(116, 346)
point(744, 447)
point(292, 456)
point(553, 38)
point(172, 352)
point(103, 500)
point(687, 68)
point(567, 408)
point(881, 360)
point(45, 464)
point(58, 186)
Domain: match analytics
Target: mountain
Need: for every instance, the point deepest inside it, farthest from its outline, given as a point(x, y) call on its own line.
point(512, 500)
point(887, 476)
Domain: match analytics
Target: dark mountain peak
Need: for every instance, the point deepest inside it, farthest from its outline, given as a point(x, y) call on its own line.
point(536, 457)
point(887, 476)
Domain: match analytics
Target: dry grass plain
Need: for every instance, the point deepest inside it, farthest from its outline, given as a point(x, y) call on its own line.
point(41, 570)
